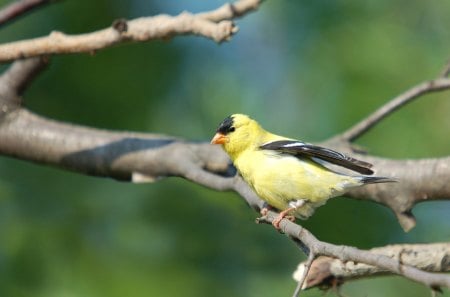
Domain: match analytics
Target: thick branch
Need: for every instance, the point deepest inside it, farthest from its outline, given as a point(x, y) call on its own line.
point(327, 271)
point(141, 29)
point(131, 156)
point(145, 157)
point(120, 155)
point(419, 180)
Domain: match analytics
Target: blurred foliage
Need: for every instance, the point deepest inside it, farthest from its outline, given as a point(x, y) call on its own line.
point(308, 69)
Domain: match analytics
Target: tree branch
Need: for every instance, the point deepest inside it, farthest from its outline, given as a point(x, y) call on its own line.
point(214, 25)
point(230, 11)
point(119, 155)
point(15, 9)
point(327, 271)
point(437, 85)
point(14, 81)
point(145, 157)
point(445, 71)
point(139, 157)
point(432, 182)
point(20, 74)
point(302, 273)
point(347, 253)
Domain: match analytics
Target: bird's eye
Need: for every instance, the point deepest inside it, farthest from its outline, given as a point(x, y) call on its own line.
point(232, 129)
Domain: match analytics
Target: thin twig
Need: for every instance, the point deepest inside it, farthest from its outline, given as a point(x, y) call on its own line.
point(439, 84)
point(21, 73)
point(446, 70)
point(15, 9)
point(297, 290)
point(230, 11)
point(14, 81)
point(304, 273)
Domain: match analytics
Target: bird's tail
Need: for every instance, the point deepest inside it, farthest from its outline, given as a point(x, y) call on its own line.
point(377, 179)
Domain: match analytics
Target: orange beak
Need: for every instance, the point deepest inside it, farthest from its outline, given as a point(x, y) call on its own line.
point(219, 138)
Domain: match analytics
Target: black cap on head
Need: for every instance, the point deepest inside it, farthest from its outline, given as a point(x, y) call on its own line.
point(226, 126)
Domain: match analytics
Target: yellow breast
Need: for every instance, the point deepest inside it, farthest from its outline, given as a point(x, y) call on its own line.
point(279, 179)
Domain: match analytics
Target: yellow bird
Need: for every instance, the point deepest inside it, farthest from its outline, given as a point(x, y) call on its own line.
point(288, 174)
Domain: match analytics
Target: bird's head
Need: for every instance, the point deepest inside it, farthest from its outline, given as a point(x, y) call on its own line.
point(237, 133)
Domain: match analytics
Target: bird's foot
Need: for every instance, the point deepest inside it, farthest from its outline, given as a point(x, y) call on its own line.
point(283, 215)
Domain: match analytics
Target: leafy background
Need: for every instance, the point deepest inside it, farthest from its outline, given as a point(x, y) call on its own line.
point(307, 69)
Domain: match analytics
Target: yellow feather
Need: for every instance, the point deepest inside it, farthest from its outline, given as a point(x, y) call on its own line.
point(280, 178)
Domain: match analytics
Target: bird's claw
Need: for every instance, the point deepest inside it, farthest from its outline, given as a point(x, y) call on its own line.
point(282, 215)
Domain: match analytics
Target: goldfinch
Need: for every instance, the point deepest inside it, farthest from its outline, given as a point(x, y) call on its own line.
point(288, 174)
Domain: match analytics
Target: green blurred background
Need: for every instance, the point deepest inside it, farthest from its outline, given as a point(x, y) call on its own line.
point(307, 69)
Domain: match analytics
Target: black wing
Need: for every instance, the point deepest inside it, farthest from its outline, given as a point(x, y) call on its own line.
point(302, 149)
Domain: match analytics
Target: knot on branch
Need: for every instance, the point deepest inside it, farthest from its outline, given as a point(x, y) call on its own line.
point(120, 25)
